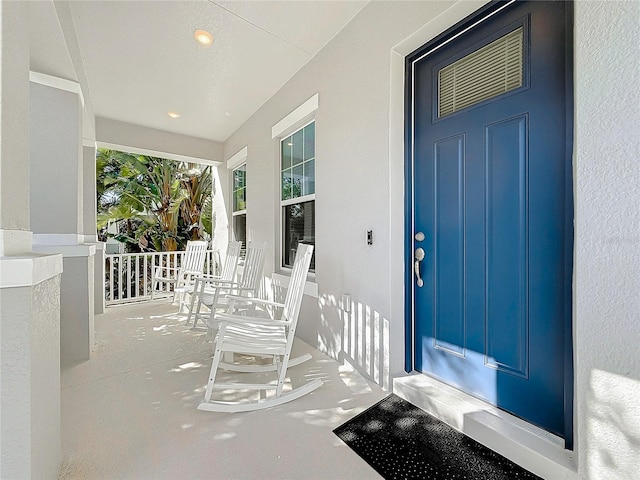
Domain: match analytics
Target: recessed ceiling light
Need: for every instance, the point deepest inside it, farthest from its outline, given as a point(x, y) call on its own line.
point(203, 37)
point(173, 114)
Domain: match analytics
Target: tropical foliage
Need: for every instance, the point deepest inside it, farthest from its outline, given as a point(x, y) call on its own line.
point(157, 204)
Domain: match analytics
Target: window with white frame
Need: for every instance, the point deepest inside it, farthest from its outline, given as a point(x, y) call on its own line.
point(298, 188)
point(239, 178)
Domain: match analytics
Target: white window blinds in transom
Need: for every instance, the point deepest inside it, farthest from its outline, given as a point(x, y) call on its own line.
point(491, 70)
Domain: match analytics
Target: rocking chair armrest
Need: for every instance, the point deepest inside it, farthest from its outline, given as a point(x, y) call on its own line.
point(169, 269)
point(208, 280)
point(160, 267)
point(241, 319)
point(209, 276)
point(256, 300)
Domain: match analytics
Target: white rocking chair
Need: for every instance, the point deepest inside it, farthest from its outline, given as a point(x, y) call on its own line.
point(191, 265)
point(228, 274)
point(262, 337)
point(213, 293)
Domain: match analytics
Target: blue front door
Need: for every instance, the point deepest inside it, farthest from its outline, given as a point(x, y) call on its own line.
point(491, 196)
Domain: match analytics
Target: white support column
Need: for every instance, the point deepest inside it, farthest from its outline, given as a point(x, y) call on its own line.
point(220, 234)
point(57, 183)
point(89, 221)
point(30, 443)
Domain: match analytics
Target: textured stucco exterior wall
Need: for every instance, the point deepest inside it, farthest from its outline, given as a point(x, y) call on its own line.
point(30, 388)
point(351, 77)
point(607, 238)
point(77, 309)
point(14, 112)
point(159, 142)
point(89, 201)
point(30, 443)
point(15, 386)
point(46, 445)
point(56, 161)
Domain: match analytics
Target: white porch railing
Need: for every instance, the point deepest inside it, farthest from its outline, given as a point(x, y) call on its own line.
point(128, 276)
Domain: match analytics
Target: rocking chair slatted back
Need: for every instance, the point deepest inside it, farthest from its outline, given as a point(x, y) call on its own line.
point(231, 261)
point(191, 265)
point(295, 291)
point(194, 257)
point(213, 293)
point(253, 266)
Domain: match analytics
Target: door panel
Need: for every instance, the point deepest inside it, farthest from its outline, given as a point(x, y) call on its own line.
point(506, 239)
point(449, 245)
point(489, 194)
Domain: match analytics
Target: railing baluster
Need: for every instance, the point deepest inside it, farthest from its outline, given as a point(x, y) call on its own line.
point(144, 280)
point(120, 295)
point(110, 289)
point(129, 274)
point(136, 280)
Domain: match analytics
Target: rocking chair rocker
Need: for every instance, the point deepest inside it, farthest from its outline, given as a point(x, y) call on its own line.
point(261, 337)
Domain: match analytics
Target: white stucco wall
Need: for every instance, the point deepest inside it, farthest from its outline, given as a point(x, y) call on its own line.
point(359, 187)
point(351, 76)
point(14, 112)
point(150, 141)
point(89, 201)
point(30, 443)
point(607, 238)
point(46, 448)
point(56, 161)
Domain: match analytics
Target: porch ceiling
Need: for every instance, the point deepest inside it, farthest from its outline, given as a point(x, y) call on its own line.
point(141, 61)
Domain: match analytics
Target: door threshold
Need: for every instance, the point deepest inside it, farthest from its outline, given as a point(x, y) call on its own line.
point(530, 447)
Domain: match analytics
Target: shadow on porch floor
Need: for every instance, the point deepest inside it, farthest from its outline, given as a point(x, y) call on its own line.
point(130, 411)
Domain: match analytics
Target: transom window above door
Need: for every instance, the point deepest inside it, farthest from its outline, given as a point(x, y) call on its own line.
point(485, 73)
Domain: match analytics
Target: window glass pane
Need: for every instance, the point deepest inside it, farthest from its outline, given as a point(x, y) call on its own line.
point(239, 203)
point(240, 229)
point(299, 227)
point(310, 141)
point(239, 188)
point(286, 145)
point(286, 185)
point(297, 147)
point(309, 186)
point(296, 181)
point(239, 177)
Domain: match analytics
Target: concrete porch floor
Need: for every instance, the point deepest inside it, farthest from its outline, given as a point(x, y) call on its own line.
point(130, 412)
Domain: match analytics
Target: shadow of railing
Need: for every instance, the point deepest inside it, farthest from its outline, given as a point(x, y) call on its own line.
point(363, 338)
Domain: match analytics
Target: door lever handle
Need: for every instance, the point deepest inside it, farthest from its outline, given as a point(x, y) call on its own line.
point(419, 256)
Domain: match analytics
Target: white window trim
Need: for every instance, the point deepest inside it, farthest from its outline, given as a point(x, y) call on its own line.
point(292, 201)
point(237, 159)
point(296, 119)
point(233, 190)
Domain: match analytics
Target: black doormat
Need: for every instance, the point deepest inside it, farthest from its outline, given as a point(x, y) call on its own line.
point(400, 441)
